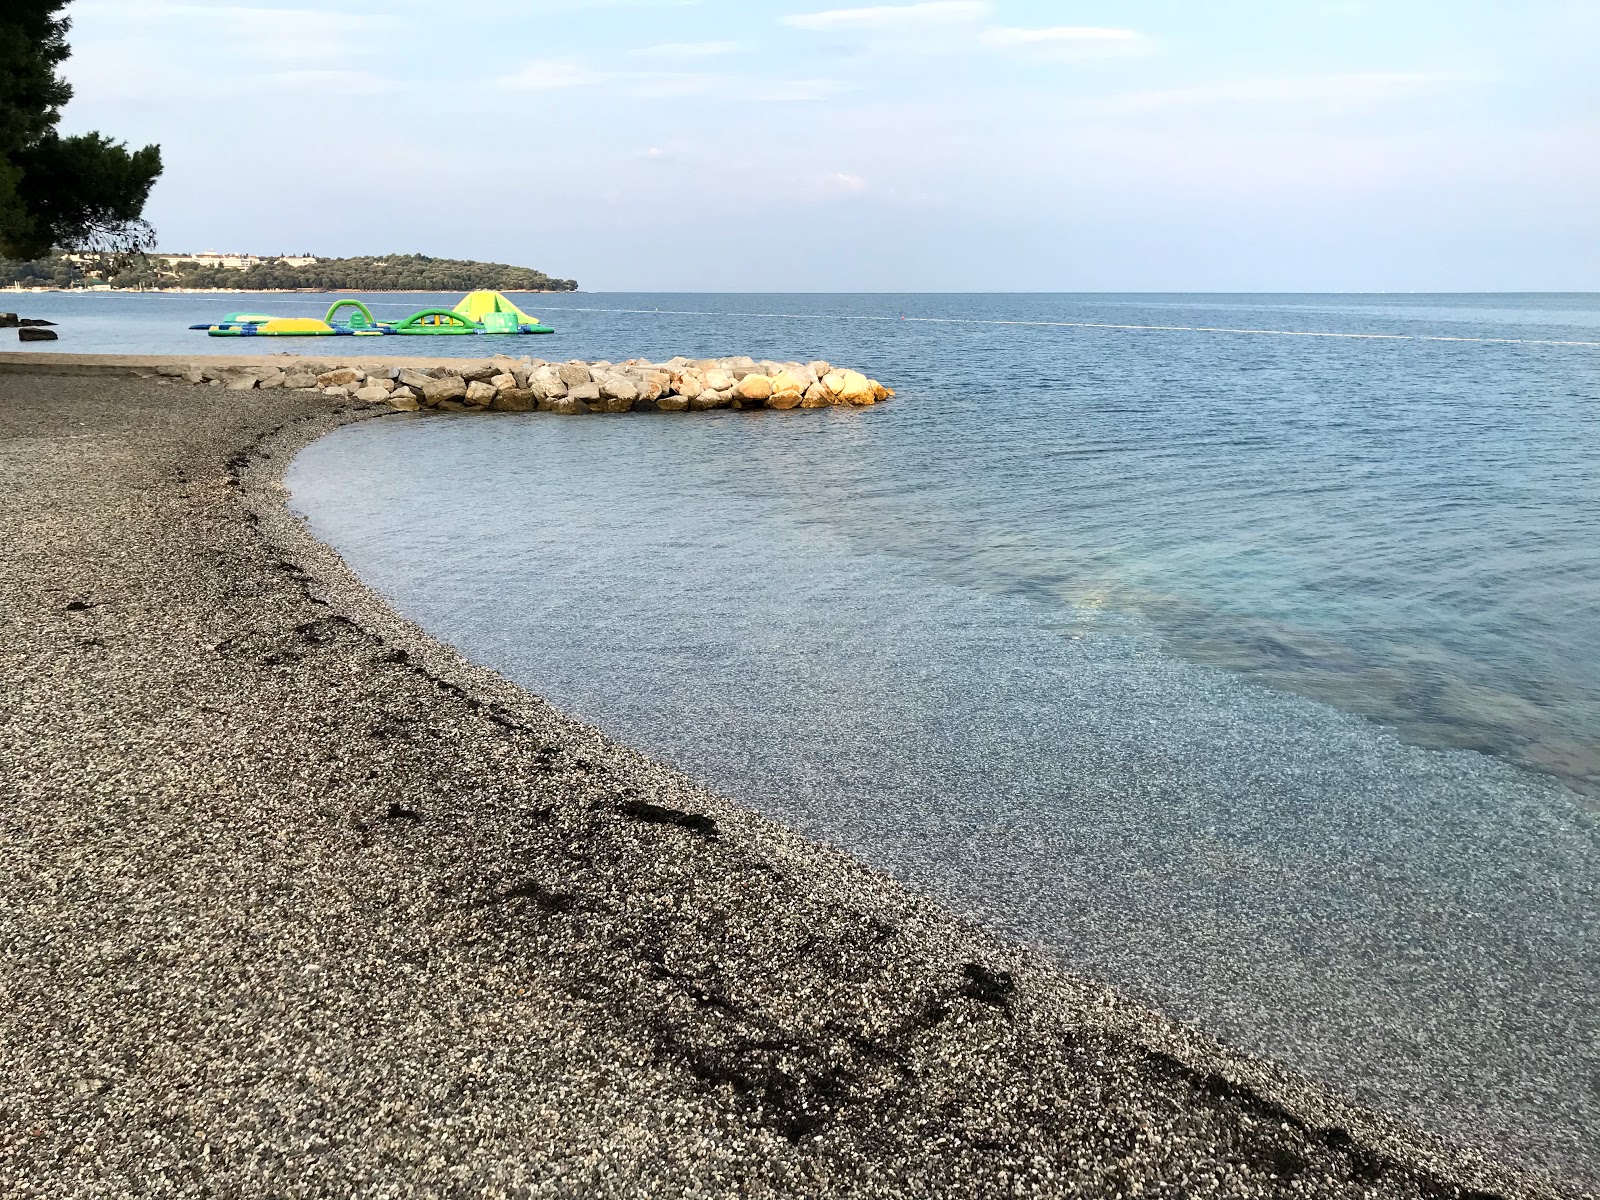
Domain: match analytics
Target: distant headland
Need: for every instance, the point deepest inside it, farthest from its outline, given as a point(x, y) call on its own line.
point(255, 273)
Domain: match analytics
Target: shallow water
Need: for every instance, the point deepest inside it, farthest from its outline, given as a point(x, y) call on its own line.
point(1007, 635)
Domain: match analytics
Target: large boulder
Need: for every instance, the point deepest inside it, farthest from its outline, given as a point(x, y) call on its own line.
point(297, 379)
point(672, 403)
point(754, 387)
point(479, 393)
point(31, 334)
point(503, 382)
point(786, 381)
point(480, 372)
point(547, 379)
point(817, 396)
point(402, 399)
point(271, 378)
point(587, 393)
point(573, 374)
point(719, 379)
point(435, 392)
point(239, 381)
point(371, 393)
point(709, 399)
point(568, 405)
point(514, 399)
point(818, 368)
point(345, 377)
point(857, 389)
point(415, 380)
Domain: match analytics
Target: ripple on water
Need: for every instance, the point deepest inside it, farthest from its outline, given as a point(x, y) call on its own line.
point(941, 636)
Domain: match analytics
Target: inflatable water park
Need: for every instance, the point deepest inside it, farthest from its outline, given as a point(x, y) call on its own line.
point(477, 313)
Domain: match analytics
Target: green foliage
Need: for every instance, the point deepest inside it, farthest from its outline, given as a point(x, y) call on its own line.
point(84, 192)
point(391, 273)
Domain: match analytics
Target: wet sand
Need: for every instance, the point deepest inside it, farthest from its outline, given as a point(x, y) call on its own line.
point(298, 902)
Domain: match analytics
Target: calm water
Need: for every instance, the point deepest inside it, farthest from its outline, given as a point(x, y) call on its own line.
point(1257, 675)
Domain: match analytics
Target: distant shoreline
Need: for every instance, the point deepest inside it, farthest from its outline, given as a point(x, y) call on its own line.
point(101, 291)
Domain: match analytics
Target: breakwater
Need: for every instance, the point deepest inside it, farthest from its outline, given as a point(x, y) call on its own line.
point(506, 384)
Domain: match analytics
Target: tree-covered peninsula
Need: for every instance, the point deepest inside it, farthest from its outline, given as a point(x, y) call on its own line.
point(386, 273)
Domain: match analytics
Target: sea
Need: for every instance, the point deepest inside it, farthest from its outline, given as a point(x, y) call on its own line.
point(1240, 652)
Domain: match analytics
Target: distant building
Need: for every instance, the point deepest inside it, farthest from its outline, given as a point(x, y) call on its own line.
point(234, 262)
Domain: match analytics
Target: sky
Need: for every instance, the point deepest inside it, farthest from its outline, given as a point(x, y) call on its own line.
point(951, 145)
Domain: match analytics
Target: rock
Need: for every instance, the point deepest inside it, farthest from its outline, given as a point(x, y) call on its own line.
point(481, 372)
point(371, 393)
point(273, 378)
point(548, 380)
point(522, 374)
point(573, 375)
point(568, 405)
point(769, 368)
point(403, 393)
point(817, 396)
point(620, 388)
point(8, 320)
point(754, 386)
point(479, 392)
point(336, 392)
point(688, 382)
point(196, 375)
point(719, 380)
point(172, 370)
point(240, 381)
point(584, 392)
point(787, 381)
point(402, 400)
point(28, 334)
point(514, 399)
point(708, 399)
point(879, 392)
point(789, 399)
point(415, 380)
point(504, 382)
point(654, 385)
point(33, 322)
point(454, 406)
point(343, 377)
point(673, 403)
point(297, 380)
point(435, 392)
point(738, 366)
point(856, 389)
point(380, 380)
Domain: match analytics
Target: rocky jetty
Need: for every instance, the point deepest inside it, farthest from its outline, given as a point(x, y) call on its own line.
point(505, 384)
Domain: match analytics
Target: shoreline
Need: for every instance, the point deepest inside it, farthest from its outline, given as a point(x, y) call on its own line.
point(716, 1002)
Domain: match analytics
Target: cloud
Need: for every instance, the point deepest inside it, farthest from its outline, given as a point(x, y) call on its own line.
point(1064, 41)
point(556, 74)
point(551, 74)
point(1331, 91)
point(893, 16)
point(687, 49)
point(956, 26)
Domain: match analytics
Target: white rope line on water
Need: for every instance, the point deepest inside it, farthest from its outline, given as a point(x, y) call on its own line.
point(1381, 337)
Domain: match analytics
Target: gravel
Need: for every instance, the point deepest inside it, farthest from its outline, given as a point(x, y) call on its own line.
point(297, 902)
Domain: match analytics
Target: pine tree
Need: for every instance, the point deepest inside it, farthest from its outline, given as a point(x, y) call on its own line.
point(85, 192)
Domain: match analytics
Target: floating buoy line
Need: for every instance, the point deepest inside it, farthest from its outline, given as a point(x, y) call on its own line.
point(1302, 333)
